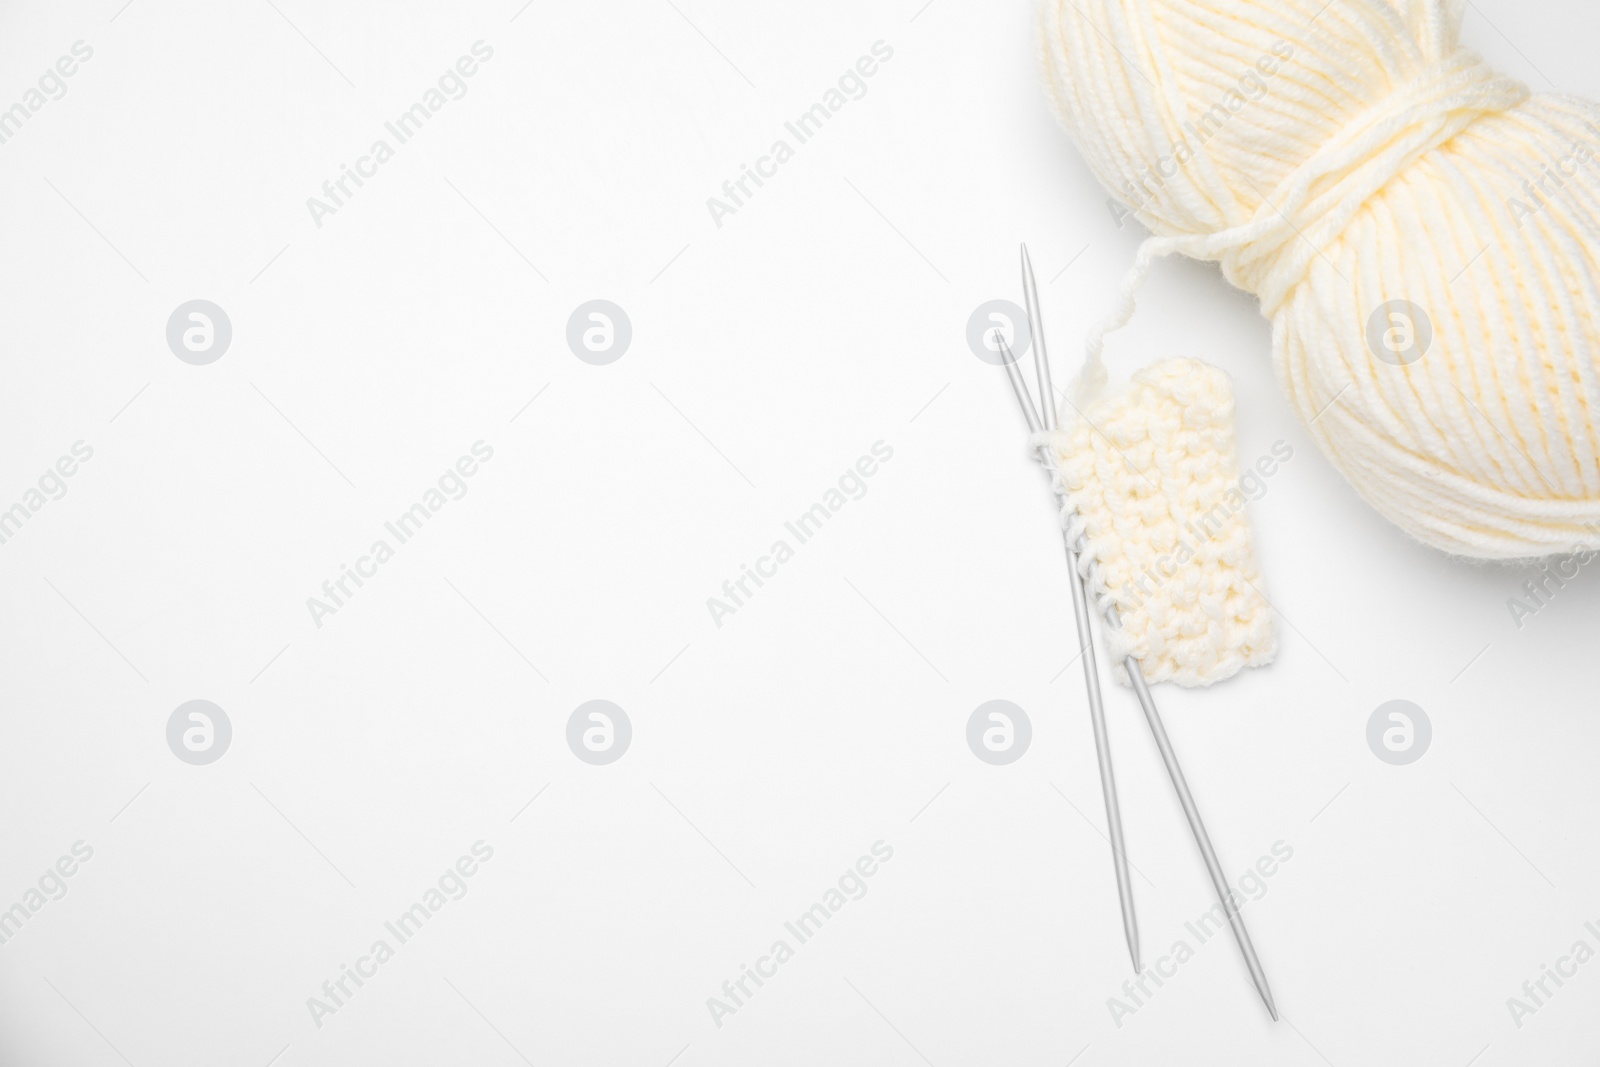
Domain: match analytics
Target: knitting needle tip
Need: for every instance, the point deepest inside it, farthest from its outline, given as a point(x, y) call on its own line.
point(1041, 358)
point(1266, 998)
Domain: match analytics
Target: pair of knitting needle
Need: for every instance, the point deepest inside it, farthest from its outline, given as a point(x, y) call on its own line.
point(1040, 418)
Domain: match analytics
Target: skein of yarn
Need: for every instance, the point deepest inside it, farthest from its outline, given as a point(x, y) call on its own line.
point(1422, 233)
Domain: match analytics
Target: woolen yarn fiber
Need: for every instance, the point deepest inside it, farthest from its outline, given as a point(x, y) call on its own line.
point(1422, 233)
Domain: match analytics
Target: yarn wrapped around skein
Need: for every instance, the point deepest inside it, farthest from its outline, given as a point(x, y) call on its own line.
point(1422, 232)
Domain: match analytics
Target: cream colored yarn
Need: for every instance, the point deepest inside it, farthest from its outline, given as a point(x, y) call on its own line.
point(1151, 483)
point(1333, 157)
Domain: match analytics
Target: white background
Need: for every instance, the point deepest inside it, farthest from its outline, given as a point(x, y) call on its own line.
point(768, 754)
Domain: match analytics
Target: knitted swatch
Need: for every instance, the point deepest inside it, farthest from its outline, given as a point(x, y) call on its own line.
point(1151, 481)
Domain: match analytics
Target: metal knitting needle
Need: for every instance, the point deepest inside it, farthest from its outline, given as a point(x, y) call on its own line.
point(1136, 677)
point(1230, 903)
point(1041, 359)
point(1091, 674)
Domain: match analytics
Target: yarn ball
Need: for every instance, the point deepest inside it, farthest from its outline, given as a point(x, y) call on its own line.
point(1421, 232)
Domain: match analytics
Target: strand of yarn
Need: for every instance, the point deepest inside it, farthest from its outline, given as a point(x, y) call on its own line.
point(1369, 181)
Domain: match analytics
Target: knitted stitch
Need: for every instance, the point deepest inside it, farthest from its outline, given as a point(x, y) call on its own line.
point(1151, 483)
